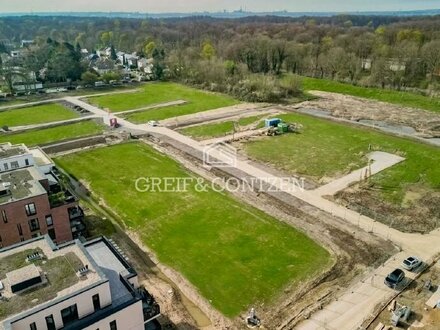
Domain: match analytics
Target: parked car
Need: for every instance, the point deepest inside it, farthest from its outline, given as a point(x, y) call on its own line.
point(153, 123)
point(99, 84)
point(394, 278)
point(411, 263)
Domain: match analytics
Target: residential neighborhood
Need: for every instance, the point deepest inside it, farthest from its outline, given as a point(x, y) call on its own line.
point(101, 64)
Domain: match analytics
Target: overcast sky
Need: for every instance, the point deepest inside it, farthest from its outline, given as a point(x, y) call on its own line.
point(155, 6)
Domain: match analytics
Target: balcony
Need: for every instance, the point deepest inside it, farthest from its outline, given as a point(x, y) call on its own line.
point(75, 213)
point(150, 307)
point(61, 198)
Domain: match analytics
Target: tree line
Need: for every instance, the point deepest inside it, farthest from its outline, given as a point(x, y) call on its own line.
point(242, 56)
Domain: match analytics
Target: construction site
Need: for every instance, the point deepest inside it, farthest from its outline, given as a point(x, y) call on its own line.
point(341, 172)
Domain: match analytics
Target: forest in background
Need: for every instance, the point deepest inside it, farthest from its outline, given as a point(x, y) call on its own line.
point(243, 57)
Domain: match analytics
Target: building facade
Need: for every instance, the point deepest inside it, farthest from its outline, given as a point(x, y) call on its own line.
point(32, 199)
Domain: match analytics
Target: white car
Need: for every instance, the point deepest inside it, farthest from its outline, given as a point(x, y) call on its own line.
point(411, 263)
point(153, 123)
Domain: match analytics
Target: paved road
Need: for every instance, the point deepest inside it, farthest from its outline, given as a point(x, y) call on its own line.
point(232, 137)
point(156, 106)
point(359, 301)
point(231, 112)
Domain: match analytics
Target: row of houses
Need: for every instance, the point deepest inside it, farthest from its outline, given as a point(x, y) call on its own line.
point(102, 61)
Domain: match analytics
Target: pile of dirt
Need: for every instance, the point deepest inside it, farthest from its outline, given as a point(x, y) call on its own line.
point(427, 124)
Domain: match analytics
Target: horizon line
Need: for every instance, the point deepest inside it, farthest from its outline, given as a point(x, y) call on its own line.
point(219, 12)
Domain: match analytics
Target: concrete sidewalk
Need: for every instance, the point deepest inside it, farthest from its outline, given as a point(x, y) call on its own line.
point(379, 162)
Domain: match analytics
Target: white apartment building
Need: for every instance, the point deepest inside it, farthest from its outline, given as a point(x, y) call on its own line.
point(73, 286)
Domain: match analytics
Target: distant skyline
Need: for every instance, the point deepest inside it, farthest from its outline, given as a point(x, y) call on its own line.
point(184, 6)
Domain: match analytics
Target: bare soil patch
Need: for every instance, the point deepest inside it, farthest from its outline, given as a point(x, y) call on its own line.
point(427, 124)
point(419, 212)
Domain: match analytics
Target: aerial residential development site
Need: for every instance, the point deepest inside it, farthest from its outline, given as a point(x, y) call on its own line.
point(226, 171)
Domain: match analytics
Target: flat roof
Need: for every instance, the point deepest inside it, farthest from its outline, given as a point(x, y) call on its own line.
point(21, 184)
point(112, 267)
point(40, 157)
point(8, 150)
point(23, 274)
point(60, 263)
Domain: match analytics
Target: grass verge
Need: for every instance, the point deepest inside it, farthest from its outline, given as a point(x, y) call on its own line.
point(53, 134)
point(154, 93)
point(40, 114)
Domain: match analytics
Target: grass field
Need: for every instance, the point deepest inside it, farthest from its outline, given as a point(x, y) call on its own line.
point(217, 129)
point(53, 134)
point(234, 254)
point(45, 113)
point(154, 93)
point(326, 149)
point(406, 99)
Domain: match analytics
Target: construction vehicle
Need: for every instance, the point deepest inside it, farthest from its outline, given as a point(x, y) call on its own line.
point(276, 126)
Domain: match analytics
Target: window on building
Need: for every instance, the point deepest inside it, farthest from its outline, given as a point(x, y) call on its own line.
point(113, 325)
point(30, 209)
point(96, 302)
point(4, 216)
point(6, 167)
point(14, 165)
point(1, 240)
point(52, 234)
point(33, 326)
point(20, 230)
point(69, 314)
point(26, 161)
point(34, 225)
point(50, 322)
point(49, 220)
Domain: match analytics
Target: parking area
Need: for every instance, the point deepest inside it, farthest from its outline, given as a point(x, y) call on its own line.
point(366, 294)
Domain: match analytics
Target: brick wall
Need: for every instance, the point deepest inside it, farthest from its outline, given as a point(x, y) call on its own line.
point(17, 217)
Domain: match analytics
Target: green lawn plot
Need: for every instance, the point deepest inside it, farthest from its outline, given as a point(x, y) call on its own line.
point(328, 149)
point(39, 114)
point(155, 93)
point(406, 99)
point(53, 134)
point(234, 254)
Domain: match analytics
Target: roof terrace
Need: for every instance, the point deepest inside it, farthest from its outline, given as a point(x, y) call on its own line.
point(23, 264)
